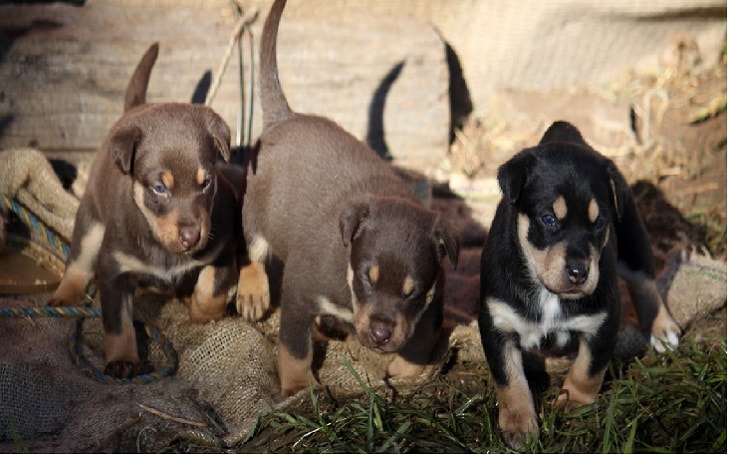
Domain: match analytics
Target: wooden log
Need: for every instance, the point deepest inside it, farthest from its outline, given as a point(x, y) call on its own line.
point(64, 69)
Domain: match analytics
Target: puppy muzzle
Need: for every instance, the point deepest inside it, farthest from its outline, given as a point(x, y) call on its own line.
point(380, 334)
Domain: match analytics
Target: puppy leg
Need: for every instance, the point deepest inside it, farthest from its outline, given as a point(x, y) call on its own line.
point(295, 346)
point(295, 373)
point(253, 298)
point(583, 382)
point(636, 266)
point(120, 341)
point(653, 314)
point(517, 416)
point(82, 261)
point(213, 290)
point(416, 354)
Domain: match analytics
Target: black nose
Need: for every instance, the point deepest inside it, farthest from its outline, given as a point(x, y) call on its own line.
point(577, 272)
point(380, 331)
point(189, 236)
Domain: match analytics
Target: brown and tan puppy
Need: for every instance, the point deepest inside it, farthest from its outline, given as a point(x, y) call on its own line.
point(156, 214)
point(355, 242)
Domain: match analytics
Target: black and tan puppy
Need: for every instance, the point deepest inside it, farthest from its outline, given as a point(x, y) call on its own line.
point(566, 225)
point(155, 215)
point(354, 240)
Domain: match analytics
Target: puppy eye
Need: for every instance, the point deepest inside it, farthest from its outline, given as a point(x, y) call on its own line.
point(549, 220)
point(599, 224)
point(159, 189)
point(207, 182)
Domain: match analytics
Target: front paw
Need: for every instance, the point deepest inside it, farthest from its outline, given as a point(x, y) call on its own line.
point(253, 298)
point(400, 368)
point(518, 425)
point(126, 369)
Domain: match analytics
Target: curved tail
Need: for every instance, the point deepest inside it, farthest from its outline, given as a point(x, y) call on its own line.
point(273, 102)
point(136, 93)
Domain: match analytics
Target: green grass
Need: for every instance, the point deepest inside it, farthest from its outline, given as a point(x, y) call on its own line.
point(676, 402)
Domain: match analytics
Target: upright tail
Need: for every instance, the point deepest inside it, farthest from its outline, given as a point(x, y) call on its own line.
point(137, 89)
point(273, 102)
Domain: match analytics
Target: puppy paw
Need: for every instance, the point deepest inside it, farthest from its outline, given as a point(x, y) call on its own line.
point(568, 400)
point(517, 425)
point(72, 288)
point(665, 332)
point(125, 369)
point(400, 368)
point(253, 298)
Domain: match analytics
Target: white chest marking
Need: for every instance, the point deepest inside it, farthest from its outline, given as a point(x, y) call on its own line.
point(327, 307)
point(131, 264)
point(553, 321)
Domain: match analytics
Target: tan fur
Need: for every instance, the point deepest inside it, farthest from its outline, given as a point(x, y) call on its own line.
point(579, 387)
point(205, 304)
point(408, 285)
point(548, 265)
point(72, 287)
point(253, 292)
point(168, 180)
point(374, 274)
point(560, 207)
point(517, 417)
point(79, 272)
point(593, 210)
point(200, 176)
point(295, 374)
point(400, 368)
point(122, 347)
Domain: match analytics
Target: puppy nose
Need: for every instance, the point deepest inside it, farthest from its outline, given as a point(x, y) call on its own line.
point(189, 236)
point(380, 331)
point(577, 272)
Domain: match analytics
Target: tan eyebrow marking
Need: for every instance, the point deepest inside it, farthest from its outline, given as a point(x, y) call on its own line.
point(200, 176)
point(167, 179)
point(593, 210)
point(560, 207)
point(374, 274)
point(408, 285)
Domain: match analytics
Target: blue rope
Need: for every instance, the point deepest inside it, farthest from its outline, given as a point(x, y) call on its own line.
point(168, 366)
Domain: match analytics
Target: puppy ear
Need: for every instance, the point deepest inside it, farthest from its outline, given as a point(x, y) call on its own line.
point(619, 187)
point(123, 145)
point(221, 134)
point(351, 221)
point(447, 242)
point(563, 132)
point(513, 174)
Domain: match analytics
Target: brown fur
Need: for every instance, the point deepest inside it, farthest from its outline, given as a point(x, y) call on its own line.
point(351, 233)
point(157, 215)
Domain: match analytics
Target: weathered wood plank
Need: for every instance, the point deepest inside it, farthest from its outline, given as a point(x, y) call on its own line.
point(63, 70)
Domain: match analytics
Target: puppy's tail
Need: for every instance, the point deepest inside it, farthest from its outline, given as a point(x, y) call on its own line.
point(137, 89)
point(273, 102)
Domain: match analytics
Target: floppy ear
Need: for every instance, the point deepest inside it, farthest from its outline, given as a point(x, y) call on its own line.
point(619, 187)
point(447, 242)
point(220, 133)
point(563, 132)
point(351, 221)
point(513, 174)
point(123, 145)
